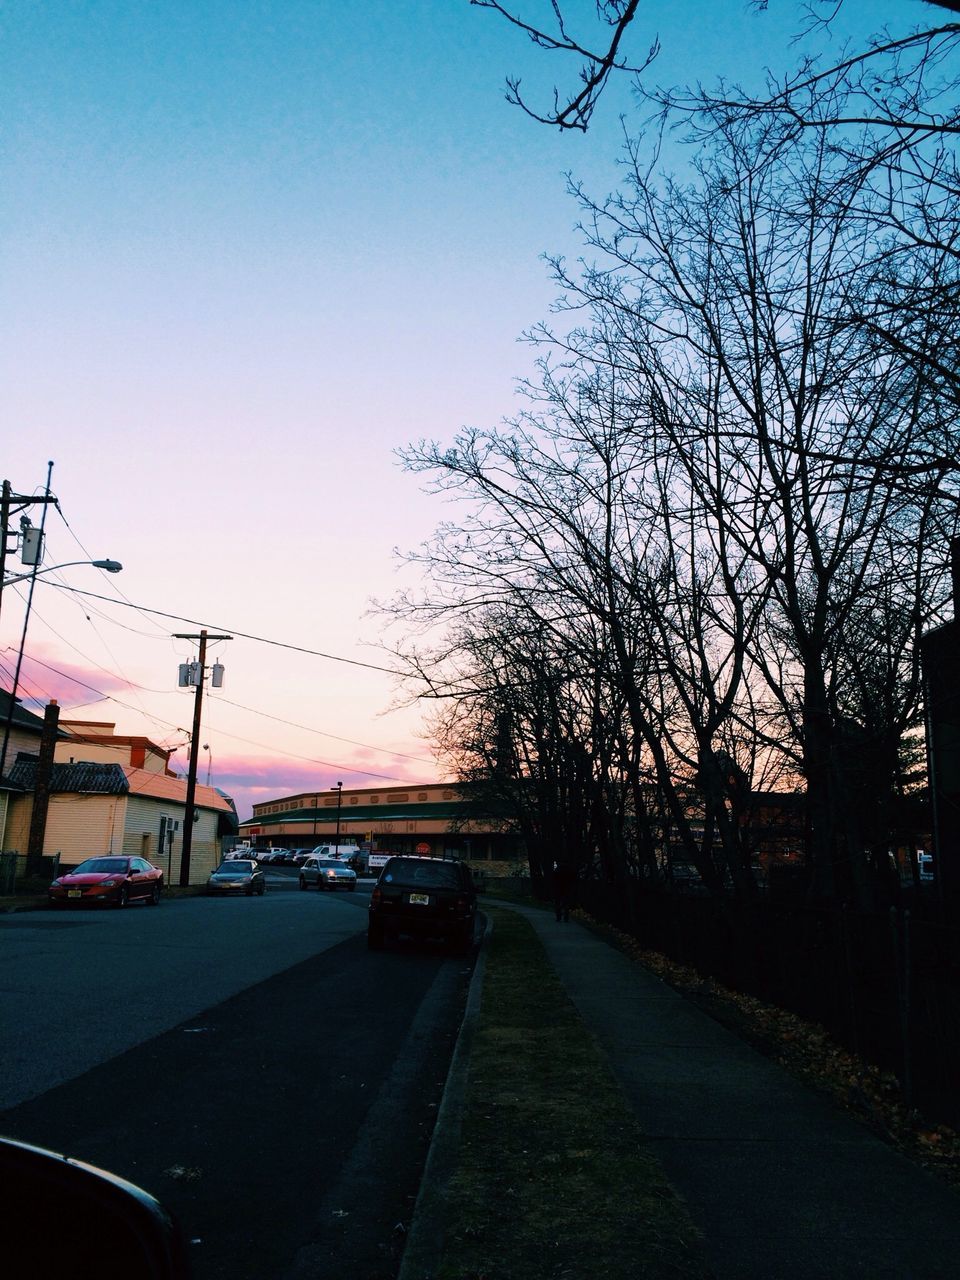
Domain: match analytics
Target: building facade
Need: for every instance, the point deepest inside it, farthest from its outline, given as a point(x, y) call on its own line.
point(114, 793)
point(425, 818)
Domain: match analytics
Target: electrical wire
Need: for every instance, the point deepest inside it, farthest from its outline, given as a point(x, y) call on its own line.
point(327, 764)
point(244, 635)
point(322, 732)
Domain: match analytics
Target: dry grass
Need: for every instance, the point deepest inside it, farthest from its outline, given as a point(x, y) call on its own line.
point(554, 1180)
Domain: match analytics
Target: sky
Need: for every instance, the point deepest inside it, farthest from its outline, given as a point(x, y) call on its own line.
point(248, 250)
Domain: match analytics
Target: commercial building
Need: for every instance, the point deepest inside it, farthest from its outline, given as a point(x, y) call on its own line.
point(426, 818)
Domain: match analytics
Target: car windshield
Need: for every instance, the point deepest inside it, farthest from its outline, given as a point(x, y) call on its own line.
point(99, 865)
point(418, 871)
point(329, 862)
point(234, 868)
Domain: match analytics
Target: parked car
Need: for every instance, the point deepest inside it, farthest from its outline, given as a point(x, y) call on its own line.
point(359, 860)
point(423, 898)
point(334, 851)
point(300, 856)
point(327, 873)
point(237, 876)
point(109, 879)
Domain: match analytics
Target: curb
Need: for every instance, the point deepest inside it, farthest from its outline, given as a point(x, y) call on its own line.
point(424, 1247)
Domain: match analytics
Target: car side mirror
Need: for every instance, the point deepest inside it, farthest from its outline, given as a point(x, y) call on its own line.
point(104, 1226)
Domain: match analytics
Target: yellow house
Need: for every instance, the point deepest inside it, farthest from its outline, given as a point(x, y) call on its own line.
point(20, 730)
point(112, 793)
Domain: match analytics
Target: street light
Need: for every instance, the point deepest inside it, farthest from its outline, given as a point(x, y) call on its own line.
point(111, 566)
point(336, 843)
point(206, 747)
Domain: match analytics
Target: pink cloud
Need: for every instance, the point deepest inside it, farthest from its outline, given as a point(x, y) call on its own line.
point(254, 780)
point(70, 683)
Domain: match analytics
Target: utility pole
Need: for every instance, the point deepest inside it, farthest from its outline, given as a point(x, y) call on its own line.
point(10, 499)
point(197, 672)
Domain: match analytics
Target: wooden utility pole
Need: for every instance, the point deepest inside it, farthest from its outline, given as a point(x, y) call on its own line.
point(20, 500)
point(186, 847)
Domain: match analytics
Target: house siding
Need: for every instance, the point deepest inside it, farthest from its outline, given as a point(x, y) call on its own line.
point(78, 826)
point(20, 740)
point(143, 818)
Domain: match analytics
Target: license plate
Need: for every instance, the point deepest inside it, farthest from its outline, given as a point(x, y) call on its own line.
point(74, 893)
point(423, 899)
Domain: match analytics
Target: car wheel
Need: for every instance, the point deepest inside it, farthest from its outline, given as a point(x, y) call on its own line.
point(154, 899)
point(263, 888)
point(303, 883)
point(352, 886)
point(375, 938)
point(124, 896)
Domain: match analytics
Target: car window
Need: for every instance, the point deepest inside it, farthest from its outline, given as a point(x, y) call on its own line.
point(102, 865)
point(417, 871)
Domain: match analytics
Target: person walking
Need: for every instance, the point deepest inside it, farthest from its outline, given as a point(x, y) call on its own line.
point(564, 878)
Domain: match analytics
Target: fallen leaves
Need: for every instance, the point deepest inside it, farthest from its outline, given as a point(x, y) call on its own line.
point(808, 1052)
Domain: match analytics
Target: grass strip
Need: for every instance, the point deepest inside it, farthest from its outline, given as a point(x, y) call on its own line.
point(553, 1179)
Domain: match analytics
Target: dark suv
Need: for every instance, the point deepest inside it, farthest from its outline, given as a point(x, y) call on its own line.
point(424, 898)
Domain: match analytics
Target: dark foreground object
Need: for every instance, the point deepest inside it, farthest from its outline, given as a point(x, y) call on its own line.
point(71, 1220)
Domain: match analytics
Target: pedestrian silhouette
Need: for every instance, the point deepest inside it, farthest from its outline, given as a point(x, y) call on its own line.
point(564, 878)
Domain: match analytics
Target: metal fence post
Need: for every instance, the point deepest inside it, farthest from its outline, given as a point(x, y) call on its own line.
point(901, 961)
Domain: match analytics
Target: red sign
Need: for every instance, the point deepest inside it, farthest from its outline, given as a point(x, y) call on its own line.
point(422, 848)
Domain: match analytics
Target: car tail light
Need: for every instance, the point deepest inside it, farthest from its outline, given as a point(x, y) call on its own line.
point(462, 903)
point(376, 895)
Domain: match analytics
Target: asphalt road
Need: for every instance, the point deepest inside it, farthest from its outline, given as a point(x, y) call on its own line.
point(247, 1061)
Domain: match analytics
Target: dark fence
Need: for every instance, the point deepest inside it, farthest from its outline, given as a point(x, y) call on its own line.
point(884, 985)
point(13, 870)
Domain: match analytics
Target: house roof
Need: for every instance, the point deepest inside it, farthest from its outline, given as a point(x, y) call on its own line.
point(160, 786)
point(21, 717)
point(86, 777)
point(95, 778)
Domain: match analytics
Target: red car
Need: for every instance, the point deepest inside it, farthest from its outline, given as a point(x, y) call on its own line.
point(109, 879)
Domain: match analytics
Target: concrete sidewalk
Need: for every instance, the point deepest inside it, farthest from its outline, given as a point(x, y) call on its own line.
point(783, 1185)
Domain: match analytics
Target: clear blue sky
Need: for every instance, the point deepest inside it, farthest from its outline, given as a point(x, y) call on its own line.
point(247, 250)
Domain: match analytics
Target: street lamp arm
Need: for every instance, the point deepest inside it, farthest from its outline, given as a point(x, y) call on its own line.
point(110, 566)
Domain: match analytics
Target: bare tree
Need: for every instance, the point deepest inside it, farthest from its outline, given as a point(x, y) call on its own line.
point(887, 69)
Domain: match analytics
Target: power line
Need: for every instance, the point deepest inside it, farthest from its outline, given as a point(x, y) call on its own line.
point(245, 635)
point(323, 733)
point(292, 724)
point(293, 755)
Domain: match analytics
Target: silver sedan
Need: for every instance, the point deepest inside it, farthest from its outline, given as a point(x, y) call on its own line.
point(327, 873)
